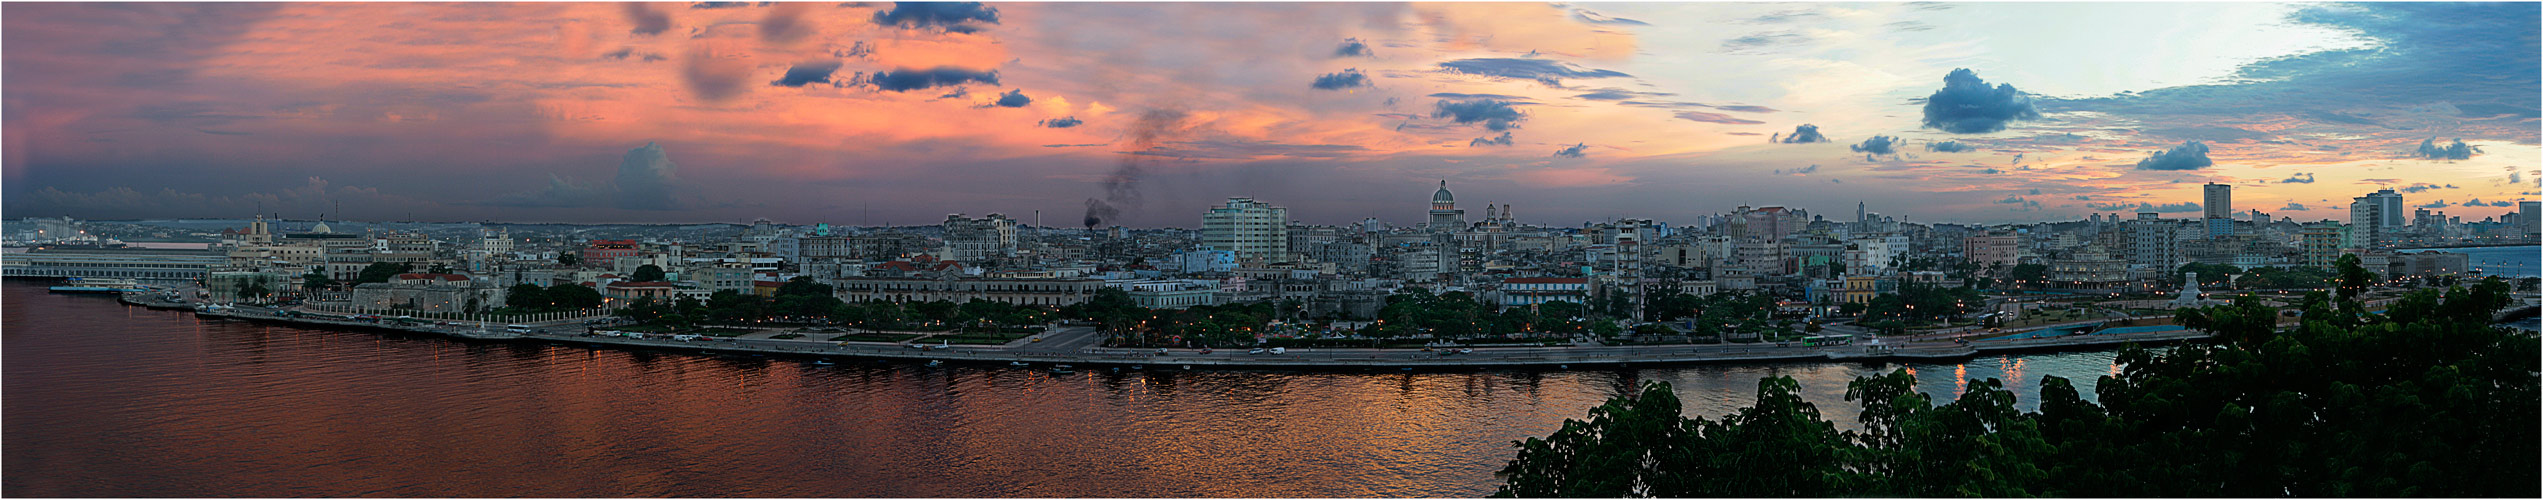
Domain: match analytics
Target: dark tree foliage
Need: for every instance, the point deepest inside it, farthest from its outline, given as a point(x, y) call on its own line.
point(2029, 275)
point(1916, 302)
point(316, 280)
point(2210, 275)
point(530, 298)
point(648, 273)
point(2428, 399)
point(2283, 278)
point(525, 297)
point(567, 296)
point(382, 272)
point(2353, 277)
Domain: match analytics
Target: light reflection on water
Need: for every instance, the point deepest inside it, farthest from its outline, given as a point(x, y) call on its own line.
point(106, 400)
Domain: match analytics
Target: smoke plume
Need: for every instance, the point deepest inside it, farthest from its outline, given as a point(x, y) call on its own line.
point(1121, 189)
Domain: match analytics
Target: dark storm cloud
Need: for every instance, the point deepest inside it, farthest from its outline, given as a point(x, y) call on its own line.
point(2293, 206)
point(647, 180)
point(714, 79)
point(906, 79)
point(807, 74)
point(2436, 204)
point(948, 16)
point(2478, 57)
point(1013, 99)
point(1550, 72)
point(1348, 78)
point(1966, 105)
point(2188, 156)
point(1877, 145)
point(1061, 122)
point(784, 24)
point(1948, 147)
point(2458, 151)
point(1503, 140)
point(721, 5)
point(2476, 202)
point(647, 20)
point(560, 192)
point(1806, 133)
point(1352, 47)
point(1493, 114)
point(2299, 178)
point(1573, 151)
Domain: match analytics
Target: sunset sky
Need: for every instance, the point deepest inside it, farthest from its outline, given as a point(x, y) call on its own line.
point(874, 113)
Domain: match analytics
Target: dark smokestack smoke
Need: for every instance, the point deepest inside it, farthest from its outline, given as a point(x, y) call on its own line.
point(1121, 189)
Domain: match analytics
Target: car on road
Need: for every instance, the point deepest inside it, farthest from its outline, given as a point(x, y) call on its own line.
point(1161, 351)
point(1280, 350)
point(1256, 350)
point(685, 337)
point(1465, 351)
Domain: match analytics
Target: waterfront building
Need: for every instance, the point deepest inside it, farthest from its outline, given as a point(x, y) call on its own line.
point(2374, 219)
point(662, 291)
point(2430, 263)
point(141, 263)
point(1523, 292)
point(605, 253)
point(826, 247)
point(1257, 232)
point(1203, 259)
point(2150, 241)
point(2089, 267)
point(2220, 209)
point(969, 239)
point(1990, 250)
point(427, 292)
point(1021, 292)
point(2321, 243)
point(226, 287)
point(2528, 216)
point(1169, 294)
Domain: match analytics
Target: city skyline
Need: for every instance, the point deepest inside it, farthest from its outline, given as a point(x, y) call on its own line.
point(897, 114)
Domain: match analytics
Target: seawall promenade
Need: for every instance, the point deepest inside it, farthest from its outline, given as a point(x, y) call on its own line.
point(1077, 351)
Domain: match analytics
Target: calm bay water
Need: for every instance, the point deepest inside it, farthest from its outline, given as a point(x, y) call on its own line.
point(107, 400)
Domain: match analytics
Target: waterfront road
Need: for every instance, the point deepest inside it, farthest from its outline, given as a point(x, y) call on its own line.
point(1074, 345)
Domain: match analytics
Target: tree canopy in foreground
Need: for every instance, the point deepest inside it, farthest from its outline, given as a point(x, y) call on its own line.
point(2427, 399)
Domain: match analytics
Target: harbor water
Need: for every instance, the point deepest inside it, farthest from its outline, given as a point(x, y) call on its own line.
point(108, 400)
